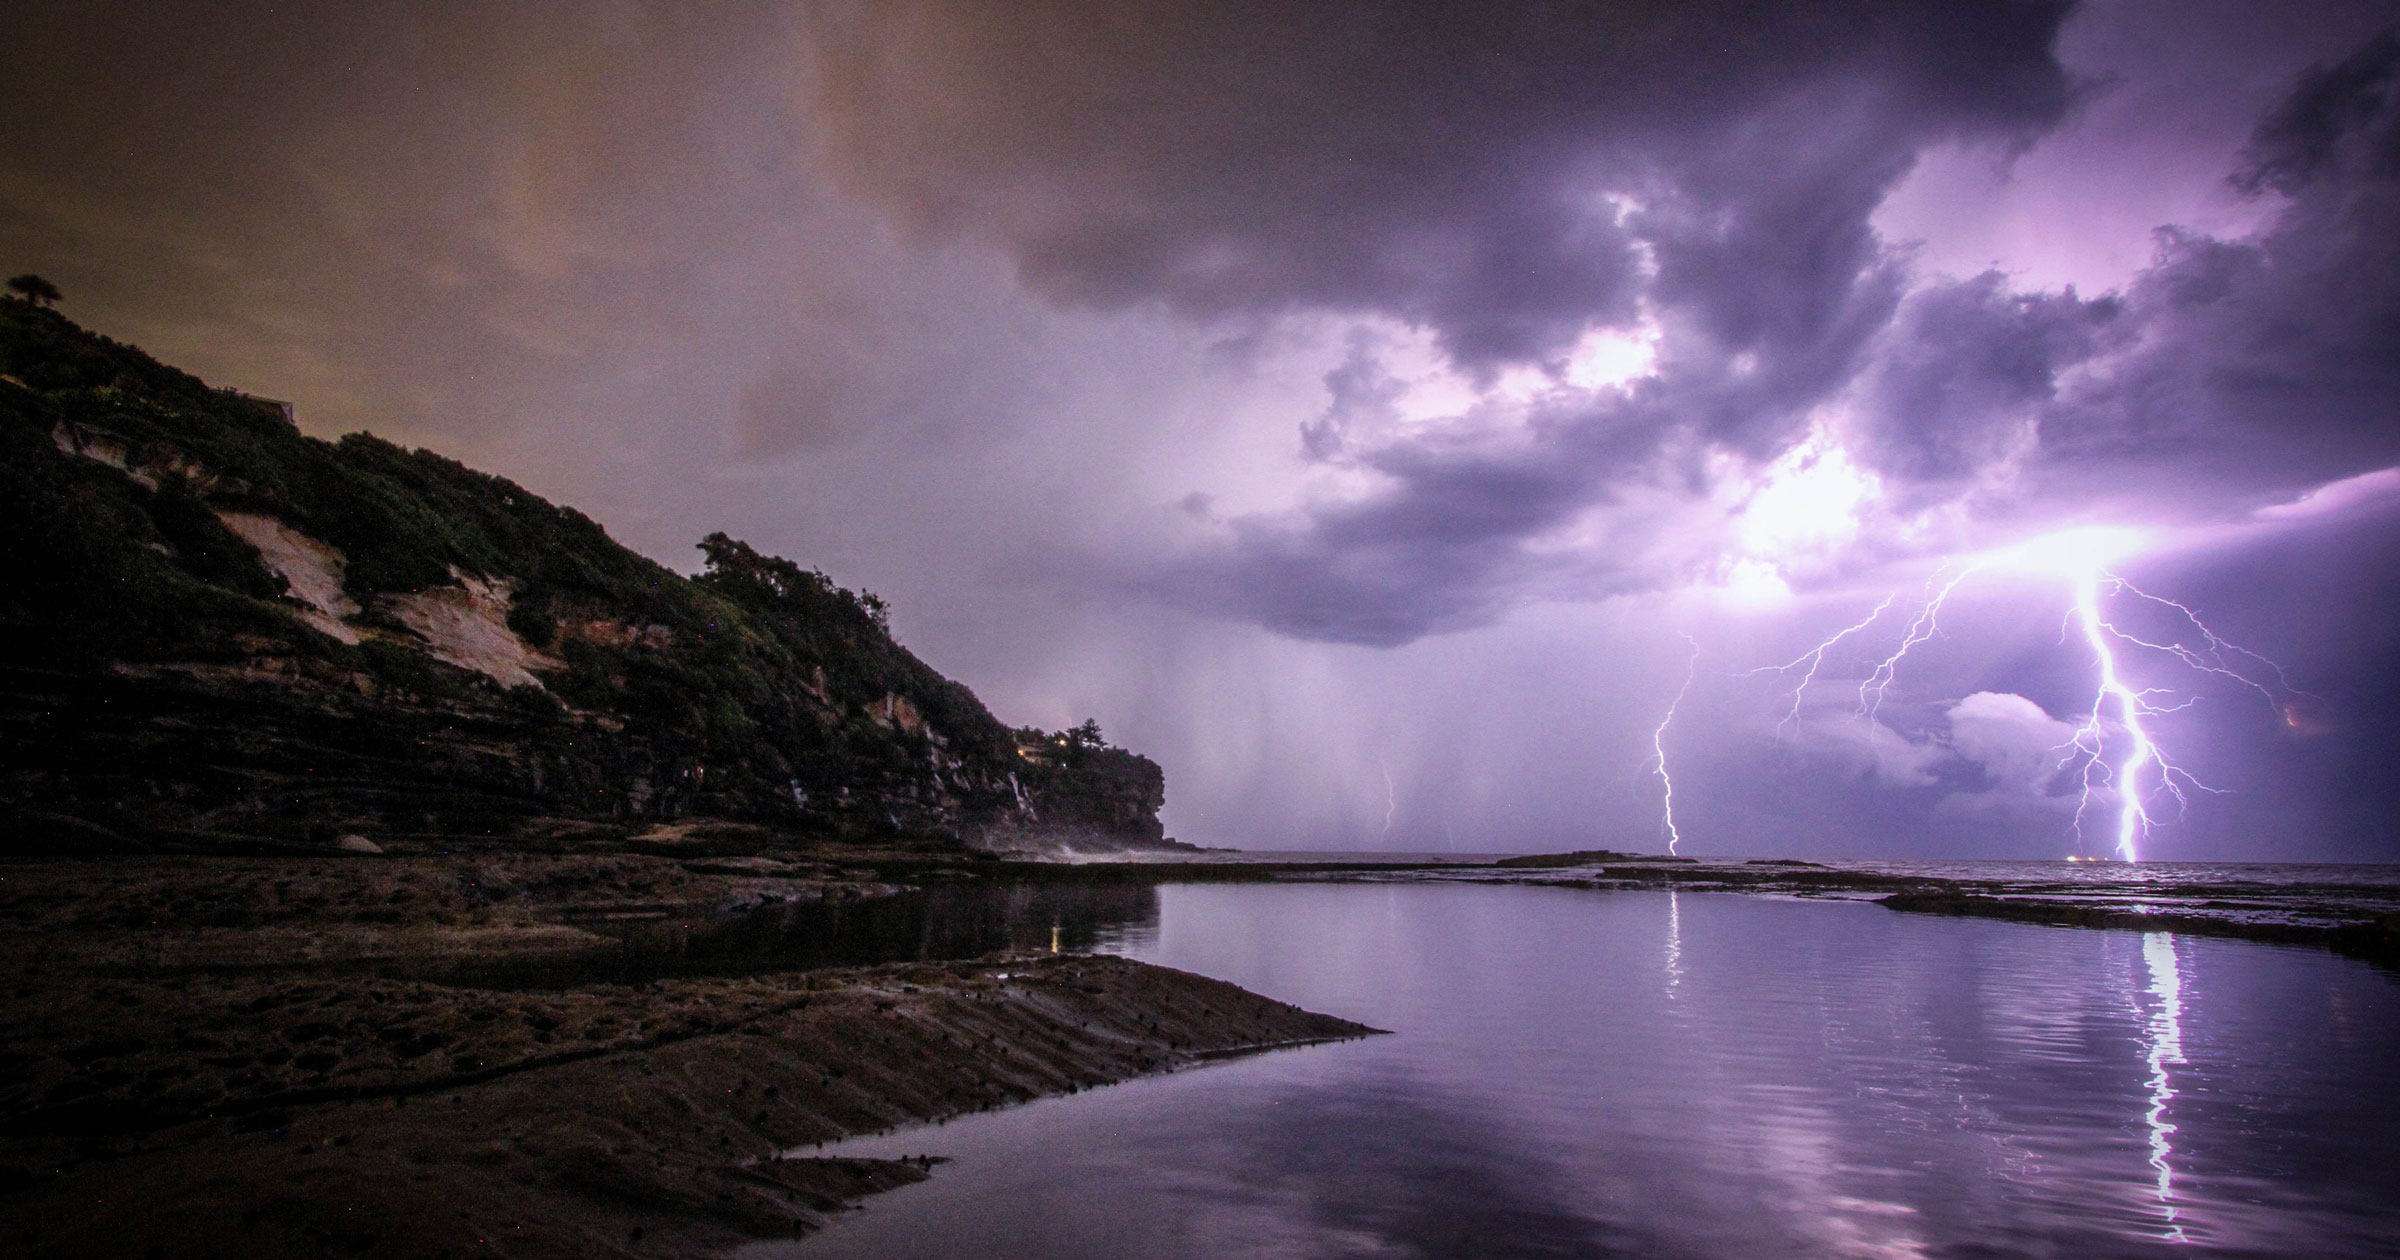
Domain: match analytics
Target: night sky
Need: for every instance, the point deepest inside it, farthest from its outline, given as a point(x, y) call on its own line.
point(1375, 413)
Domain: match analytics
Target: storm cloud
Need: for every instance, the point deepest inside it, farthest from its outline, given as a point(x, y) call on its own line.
point(2270, 364)
point(2228, 376)
point(1451, 165)
point(1511, 179)
point(1352, 405)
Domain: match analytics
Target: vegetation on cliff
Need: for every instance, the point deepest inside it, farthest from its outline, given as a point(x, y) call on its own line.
point(226, 629)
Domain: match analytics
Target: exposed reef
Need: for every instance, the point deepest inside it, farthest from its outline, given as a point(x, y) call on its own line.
point(2278, 904)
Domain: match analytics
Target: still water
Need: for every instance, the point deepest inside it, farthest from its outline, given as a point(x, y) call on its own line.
point(1711, 1075)
point(917, 925)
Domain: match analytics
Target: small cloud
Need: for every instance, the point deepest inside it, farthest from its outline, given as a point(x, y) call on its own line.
point(2336, 497)
point(2013, 739)
point(1867, 748)
point(2016, 744)
point(2008, 740)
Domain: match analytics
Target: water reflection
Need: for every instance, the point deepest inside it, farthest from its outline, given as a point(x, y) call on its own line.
point(2163, 1044)
point(1795, 1080)
point(1674, 942)
point(927, 925)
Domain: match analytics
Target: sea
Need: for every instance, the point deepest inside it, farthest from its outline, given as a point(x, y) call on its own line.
point(1570, 1072)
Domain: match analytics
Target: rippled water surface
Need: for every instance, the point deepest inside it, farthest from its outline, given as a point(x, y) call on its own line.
point(1588, 1074)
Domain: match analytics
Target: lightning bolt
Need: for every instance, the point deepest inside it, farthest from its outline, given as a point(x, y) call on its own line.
point(2134, 704)
point(2133, 820)
point(2112, 750)
point(1658, 746)
point(1927, 624)
point(1391, 799)
point(2213, 660)
point(1814, 658)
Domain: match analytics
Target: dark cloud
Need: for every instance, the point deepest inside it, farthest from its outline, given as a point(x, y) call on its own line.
point(2338, 121)
point(2252, 369)
point(1442, 553)
point(1505, 177)
point(794, 405)
point(1446, 164)
point(1962, 369)
point(1770, 280)
point(2228, 375)
point(1449, 536)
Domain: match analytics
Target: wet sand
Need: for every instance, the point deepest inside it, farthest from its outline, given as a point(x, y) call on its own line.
point(248, 1058)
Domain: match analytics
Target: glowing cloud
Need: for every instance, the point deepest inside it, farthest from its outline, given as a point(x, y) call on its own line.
point(2110, 752)
point(2068, 553)
point(1806, 505)
point(1608, 358)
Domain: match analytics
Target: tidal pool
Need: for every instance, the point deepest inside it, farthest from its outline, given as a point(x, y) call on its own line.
point(1576, 1073)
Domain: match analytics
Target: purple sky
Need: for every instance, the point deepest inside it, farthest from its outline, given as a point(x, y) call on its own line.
point(1369, 410)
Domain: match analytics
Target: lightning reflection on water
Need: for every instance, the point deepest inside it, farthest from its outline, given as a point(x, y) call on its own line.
point(2163, 1041)
point(1674, 943)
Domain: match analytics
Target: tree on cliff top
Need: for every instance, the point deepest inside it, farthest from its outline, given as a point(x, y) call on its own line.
point(1073, 747)
point(736, 569)
point(32, 288)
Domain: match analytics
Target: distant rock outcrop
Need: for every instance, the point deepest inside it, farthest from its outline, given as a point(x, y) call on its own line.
point(222, 633)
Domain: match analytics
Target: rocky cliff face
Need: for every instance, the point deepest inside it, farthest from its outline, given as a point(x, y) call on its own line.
point(223, 633)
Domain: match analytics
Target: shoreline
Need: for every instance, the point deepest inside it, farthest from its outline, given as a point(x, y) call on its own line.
point(417, 1056)
point(221, 1091)
point(2353, 919)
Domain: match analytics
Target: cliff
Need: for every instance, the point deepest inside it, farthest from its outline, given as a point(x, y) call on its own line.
point(222, 634)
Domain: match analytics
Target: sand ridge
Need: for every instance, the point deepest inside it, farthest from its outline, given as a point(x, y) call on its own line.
point(173, 1103)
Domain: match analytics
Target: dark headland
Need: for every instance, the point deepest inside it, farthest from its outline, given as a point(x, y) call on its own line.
point(334, 777)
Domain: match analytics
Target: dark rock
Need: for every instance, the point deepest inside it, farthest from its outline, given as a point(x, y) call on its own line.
point(1580, 857)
